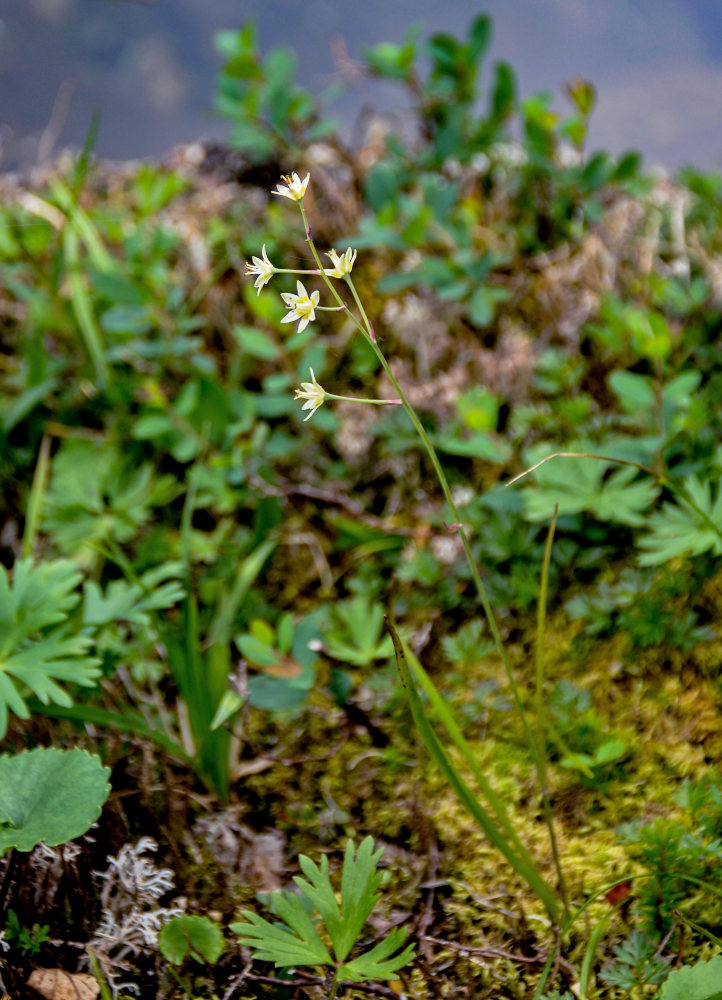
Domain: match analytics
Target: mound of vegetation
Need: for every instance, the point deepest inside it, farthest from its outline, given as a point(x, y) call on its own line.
point(453, 656)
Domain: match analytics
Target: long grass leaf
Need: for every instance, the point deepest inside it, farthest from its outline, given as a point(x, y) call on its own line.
point(591, 950)
point(82, 306)
point(527, 870)
point(446, 718)
point(541, 728)
point(37, 493)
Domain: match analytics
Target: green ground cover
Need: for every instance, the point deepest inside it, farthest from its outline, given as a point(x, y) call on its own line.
point(273, 624)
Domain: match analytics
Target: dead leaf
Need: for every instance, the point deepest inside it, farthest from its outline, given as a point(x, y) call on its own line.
point(56, 984)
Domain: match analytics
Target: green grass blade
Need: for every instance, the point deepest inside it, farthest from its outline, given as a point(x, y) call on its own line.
point(37, 493)
point(525, 868)
point(80, 223)
point(540, 737)
point(82, 306)
point(127, 722)
point(446, 718)
point(246, 576)
point(591, 950)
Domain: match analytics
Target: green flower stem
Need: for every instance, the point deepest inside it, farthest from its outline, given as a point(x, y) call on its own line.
point(476, 576)
point(333, 991)
point(358, 399)
point(368, 332)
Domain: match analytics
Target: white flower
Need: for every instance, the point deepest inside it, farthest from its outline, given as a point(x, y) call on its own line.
point(313, 393)
point(295, 187)
point(262, 267)
point(341, 265)
point(302, 306)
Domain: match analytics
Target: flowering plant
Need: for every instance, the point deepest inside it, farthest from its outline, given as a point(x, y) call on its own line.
point(493, 819)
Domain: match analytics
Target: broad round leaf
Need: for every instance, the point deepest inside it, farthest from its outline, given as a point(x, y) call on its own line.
point(190, 935)
point(49, 796)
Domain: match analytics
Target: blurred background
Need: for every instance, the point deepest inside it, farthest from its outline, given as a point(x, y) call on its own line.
point(147, 66)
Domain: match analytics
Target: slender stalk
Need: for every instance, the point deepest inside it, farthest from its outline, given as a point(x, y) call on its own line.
point(333, 991)
point(367, 330)
point(540, 714)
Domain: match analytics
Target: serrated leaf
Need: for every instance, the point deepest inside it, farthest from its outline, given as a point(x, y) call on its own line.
point(702, 981)
point(95, 496)
point(574, 485)
point(190, 935)
point(49, 796)
point(298, 942)
point(131, 602)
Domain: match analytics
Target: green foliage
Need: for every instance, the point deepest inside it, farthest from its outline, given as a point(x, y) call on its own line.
point(39, 649)
point(700, 981)
point(682, 855)
point(156, 589)
point(190, 936)
point(49, 796)
point(270, 114)
point(96, 497)
point(575, 485)
point(580, 739)
point(30, 939)
point(643, 604)
point(685, 529)
point(296, 941)
point(283, 657)
point(356, 634)
point(636, 963)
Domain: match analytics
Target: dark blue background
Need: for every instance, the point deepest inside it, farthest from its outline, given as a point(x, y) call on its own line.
point(148, 65)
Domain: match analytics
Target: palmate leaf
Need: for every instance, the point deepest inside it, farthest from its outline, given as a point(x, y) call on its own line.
point(359, 882)
point(358, 637)
point(380, 962)
point(96, 496)
point(574, 485)
point(159, 588)
point(678, 530)
point(38, 649)
point(299, 943)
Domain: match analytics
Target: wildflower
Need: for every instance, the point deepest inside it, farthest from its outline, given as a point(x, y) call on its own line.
point(295, 187)
point(341, 265)
point(313, 393)
point(262, 267)
point(302, 306)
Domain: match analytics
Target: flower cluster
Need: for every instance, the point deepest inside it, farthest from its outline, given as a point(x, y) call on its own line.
point(302, 305)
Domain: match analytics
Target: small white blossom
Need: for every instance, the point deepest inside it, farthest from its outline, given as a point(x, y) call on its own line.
point(341, 264)
point(302, 306)
point(262, 267)
point(294, 188)
point(313, 393)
